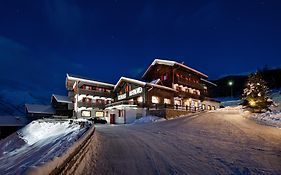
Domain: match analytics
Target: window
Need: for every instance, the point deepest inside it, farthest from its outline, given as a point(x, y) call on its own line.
point(155, 100)
point(164, 77)
point(86, 113)
point(209, 107)
point(167, 101)
point(203, 106)
point(121, 113)
point(127, 88)
point(88, 87)
point(99, 114)
point(214, 108)
point(140, 99)
point(86, 100)
point(178, 102)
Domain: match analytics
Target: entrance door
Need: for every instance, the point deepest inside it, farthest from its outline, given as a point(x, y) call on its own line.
point(112, 118)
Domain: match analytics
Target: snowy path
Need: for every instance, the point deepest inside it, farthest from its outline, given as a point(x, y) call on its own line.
point(211, 143)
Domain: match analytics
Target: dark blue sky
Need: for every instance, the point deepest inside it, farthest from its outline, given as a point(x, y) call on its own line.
point(42, 40)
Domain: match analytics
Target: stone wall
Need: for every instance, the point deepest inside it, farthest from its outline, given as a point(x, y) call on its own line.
point(168, 113)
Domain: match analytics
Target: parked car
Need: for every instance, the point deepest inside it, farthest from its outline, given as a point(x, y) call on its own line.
point(98, 120)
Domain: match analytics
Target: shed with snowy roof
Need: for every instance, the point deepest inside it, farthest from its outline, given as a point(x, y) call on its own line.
point(63, 105)
point(34, 111)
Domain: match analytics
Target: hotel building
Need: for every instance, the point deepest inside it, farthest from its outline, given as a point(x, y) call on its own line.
point(167, 89)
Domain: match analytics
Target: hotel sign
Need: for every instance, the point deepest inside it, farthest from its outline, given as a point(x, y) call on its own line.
point(135, 91)
point(122, 97)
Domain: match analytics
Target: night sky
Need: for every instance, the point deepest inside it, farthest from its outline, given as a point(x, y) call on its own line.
point(42, 40)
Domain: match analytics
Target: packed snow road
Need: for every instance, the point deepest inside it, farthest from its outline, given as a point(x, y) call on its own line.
point(210, 143)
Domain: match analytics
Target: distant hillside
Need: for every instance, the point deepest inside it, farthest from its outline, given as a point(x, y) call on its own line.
point(12, 102)
point(272, 77)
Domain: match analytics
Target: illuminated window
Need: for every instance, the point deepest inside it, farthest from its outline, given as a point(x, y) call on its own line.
point(178, 102)
point(127, 88)
point(203, 106)
point(88, 87)
point(167, 101)
point(85, 113)
point(140, 99)
point(155, 100)
point(99, 114)
point(209, 107)
point(196, 104)
point(164, 77)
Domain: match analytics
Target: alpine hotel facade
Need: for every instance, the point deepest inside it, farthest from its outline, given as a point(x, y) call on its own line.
point(168, 89)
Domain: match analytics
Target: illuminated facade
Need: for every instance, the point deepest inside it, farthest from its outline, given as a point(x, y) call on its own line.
point(166, 85)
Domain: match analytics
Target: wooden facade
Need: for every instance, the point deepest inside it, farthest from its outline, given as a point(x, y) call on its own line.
point(165, 84)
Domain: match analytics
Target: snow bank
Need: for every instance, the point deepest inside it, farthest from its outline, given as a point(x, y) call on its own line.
point(36, 131)
point(230, 108)
point(148, 119)
point(39, 142)
point(269, 118)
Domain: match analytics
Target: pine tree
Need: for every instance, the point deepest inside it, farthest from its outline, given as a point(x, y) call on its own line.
point(255, 94)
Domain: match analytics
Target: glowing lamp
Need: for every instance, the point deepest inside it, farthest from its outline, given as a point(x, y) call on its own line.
point(252, 103)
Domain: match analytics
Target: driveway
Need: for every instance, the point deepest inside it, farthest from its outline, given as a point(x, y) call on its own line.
point(209, 143)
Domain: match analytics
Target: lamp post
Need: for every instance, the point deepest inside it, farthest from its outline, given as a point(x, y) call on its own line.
point(230, 83)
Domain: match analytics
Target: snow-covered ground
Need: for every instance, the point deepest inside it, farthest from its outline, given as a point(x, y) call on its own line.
point(148, 119)
point(269, 118)
point(39, 142)
point(272, 118)
point(216, 142)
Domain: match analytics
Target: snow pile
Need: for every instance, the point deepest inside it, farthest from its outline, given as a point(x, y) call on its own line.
point(36, 131)
point(269, 118)
point(39, 142)
point(148, 119)
point(230, 108)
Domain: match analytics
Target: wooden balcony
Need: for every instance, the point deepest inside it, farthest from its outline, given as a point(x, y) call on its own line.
point(183, 94)
point(91, 105)
point(190, 84)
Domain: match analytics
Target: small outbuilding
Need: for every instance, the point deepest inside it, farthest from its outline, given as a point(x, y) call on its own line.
point(34, 112)
point(62, 105)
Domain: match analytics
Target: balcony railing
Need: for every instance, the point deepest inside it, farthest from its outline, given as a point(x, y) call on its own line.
point(125, 102)
point(190, 84)
point(175, 107)
point(91, 105)
point(95, 93)
point(190, 95)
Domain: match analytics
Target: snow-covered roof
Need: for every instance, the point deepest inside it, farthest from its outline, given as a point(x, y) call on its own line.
point(141, 83)
point(40, 109)
point(161, 87)
point(172, 63)
point(62, 99)
point(86, 80)
point(13, 120)
point(129, 80)
point(208, 82)
point(155, 81)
